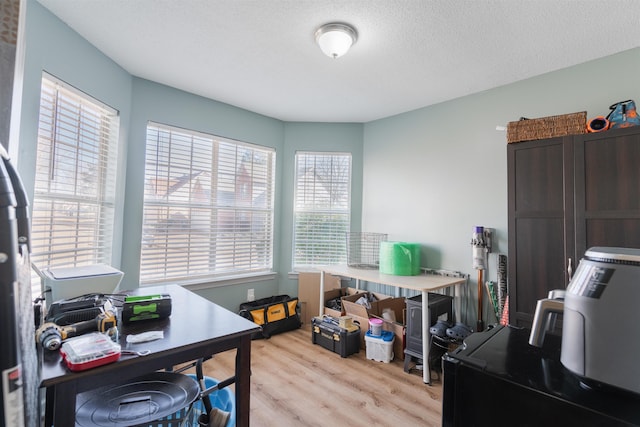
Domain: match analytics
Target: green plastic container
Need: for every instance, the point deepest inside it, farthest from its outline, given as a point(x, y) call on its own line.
point(400, 258)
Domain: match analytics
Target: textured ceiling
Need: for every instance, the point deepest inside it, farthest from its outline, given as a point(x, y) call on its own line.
point(260, 55)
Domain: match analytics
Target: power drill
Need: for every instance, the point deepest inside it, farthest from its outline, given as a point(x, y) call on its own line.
point(50, 335)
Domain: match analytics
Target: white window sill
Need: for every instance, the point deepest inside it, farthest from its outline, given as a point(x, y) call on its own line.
point(200, 284)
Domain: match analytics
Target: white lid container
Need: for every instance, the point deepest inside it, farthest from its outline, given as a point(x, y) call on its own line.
point(380, 348)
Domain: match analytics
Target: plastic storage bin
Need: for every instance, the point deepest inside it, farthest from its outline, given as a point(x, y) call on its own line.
point(380, 348)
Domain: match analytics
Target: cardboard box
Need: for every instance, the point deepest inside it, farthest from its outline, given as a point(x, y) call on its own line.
point(309, 292)
point(398, 306)
point(352, 308)
point(362, 315)
point(338, 293)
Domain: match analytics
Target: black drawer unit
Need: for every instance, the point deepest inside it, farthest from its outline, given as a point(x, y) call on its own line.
point(332, 337)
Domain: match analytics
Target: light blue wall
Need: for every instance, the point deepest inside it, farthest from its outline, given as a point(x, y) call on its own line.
point(53, 47)
point(432, 174)
point(336, 137)
point(162, 104)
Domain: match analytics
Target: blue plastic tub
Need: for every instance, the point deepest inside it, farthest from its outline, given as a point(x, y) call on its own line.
point(222, 399)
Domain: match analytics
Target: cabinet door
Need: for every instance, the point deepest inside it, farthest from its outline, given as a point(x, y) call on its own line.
point(414, 327)
point(540, 187)
point(607, 188)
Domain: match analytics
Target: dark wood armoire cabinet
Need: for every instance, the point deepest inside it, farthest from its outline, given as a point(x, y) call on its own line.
point(567, 194)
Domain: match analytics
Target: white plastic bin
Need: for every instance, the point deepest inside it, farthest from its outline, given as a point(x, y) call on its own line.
point(380, 348)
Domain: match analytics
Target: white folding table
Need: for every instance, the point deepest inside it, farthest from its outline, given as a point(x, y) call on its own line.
point(424, 283)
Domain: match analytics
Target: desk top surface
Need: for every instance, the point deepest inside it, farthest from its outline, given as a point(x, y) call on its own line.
point(194, 321)
point(422, 282)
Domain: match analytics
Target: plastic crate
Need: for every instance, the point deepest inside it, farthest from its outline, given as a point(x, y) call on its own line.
point(186, 417)
point(363, 249)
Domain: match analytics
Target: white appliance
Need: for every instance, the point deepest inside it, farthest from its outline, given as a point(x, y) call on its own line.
point(71, 282)
point(600, 318)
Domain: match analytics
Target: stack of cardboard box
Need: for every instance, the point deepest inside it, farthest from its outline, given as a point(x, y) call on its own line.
point(362, 314)
point(309, 296)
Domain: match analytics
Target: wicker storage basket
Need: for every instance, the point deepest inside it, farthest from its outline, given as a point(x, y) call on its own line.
point(547, 127)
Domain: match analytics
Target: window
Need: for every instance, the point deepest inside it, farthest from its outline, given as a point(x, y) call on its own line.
point(74, 194)
point(322, 209)
point(208, 207)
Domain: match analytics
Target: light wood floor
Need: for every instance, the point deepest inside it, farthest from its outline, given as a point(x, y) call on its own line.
point(297, 383)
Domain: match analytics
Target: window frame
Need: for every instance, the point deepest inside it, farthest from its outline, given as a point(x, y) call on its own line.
point(96, 126)
point(255, 259)
point(338, 241)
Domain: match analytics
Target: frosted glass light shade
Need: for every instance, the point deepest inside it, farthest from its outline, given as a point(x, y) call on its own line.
point(335, 39)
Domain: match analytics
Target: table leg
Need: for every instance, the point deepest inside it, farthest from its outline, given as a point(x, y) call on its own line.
point(64, 403)
point(321, 308)
point(243, 381)
point(426, 375)
point(48, 406)
point(457, 305)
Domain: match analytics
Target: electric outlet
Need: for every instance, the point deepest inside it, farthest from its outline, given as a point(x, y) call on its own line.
point(251, 296)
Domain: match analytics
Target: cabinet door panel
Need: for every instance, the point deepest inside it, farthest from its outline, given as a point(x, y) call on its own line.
point(613, 232)
point(538, 173)
point(414, 328)
point(541, 266)
point(612, 175)
point(607, 190)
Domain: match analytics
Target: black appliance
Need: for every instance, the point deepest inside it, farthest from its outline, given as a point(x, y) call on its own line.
point(18, 360)
point(496, 378)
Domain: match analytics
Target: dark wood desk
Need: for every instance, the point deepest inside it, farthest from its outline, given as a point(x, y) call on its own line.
point(196, 329)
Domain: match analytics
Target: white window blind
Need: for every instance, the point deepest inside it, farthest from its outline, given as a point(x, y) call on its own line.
point(208, 207)
point(74, 194)
point(322, 209)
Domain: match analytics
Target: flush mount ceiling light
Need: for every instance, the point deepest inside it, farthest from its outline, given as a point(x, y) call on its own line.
point(335, 39)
